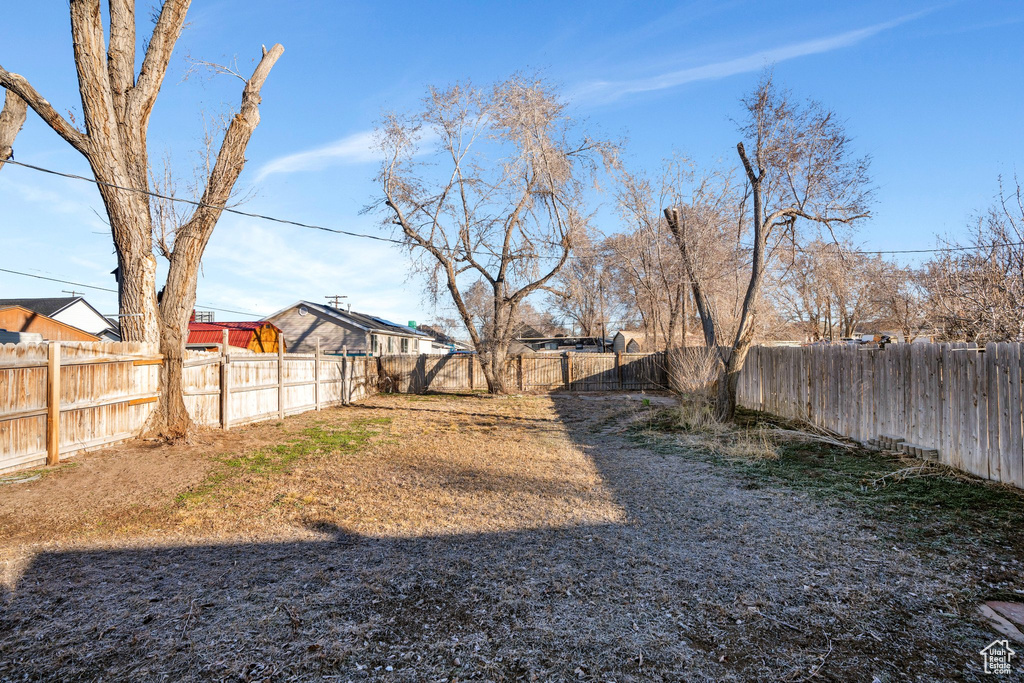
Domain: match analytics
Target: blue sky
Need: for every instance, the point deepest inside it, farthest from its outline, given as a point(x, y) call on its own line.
point(930, 90)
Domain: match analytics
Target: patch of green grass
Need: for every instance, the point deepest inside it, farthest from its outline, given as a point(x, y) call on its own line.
point(310, 442)
point(938, 509)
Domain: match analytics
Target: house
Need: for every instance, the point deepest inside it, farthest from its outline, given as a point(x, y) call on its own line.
point(304, 322)
point(529, 340)
point(71, 310)
point(441, 343)
point(18, 319)
point(625, 341)
point(258, 336)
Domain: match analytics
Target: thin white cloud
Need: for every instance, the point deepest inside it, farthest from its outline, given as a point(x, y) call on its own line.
point(357, 148)
point(607, 91)
point(295, 266)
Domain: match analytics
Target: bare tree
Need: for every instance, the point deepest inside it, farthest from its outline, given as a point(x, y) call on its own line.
point(976, 289)
point(583, 291)
point(829, 288)
point(116, 106)
point(799, 167)
point(648, 259)
point(497, 195)
point(900, 299)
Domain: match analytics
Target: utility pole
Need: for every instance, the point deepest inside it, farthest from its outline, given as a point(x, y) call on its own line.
point(335, 299)
point(71, 292)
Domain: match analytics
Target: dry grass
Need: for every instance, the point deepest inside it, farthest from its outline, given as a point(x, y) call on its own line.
point(694, 422)
point(461, 538)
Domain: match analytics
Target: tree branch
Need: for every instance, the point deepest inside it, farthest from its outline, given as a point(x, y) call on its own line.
point(121, 52)
point(12, 118)
point(23, 89)
point(746, 163)
point(231, 157)
point(158, 55)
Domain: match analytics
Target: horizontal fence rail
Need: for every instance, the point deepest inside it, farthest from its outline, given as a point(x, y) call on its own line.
point(961, 400)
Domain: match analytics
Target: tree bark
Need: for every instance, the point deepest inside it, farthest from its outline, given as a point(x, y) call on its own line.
point(493, 363)
point(116, 109)
point(12, 118)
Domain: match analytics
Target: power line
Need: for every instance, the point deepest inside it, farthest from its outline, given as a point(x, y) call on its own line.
point(391, 240)
point(114, 291)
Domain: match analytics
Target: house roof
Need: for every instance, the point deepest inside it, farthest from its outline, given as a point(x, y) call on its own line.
point(239, 333)
point(51, 306)
point(363, 321)
point(43, 306)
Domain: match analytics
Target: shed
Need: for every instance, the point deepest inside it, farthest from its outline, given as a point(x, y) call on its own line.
point(258, 336)
point(628, 342)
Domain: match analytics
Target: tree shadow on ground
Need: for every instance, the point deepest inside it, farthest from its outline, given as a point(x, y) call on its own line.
point(705, 580)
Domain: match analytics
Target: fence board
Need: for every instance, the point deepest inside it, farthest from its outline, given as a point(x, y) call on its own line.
point(97, 382)
point(964, 401)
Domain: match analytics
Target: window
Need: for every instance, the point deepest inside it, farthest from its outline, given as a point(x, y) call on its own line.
point(376, 344)
point(391, 344)
point(405, 345)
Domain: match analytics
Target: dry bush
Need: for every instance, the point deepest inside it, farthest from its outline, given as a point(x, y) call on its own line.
point(693, 370)
point(696, 419)
point(695, 414)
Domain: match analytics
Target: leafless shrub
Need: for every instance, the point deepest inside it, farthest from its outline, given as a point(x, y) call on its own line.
point(693, 370)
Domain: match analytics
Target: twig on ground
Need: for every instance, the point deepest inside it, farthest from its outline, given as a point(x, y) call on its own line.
point(799, 434)
point(912, 472)
point(817, 668)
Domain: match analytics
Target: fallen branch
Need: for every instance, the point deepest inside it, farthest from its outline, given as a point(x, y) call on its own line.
point(913, 472)
point(798, 434)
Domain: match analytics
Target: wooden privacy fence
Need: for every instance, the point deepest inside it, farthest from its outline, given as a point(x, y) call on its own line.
point(959, 399)
point(527, 373)
point(59, 399)
point(237, 388)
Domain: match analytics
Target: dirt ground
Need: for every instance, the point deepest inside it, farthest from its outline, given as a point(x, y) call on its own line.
point(451, 538)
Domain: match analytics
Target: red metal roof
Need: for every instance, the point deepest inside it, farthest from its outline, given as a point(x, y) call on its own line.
point(239, 333)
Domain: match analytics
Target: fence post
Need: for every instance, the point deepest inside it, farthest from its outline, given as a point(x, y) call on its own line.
point(316, 375)
point(53, 403)
point(618, 368)
point(522, 381)
point(280, 378)
point(225, 391)
point(346, 384)
point(472, 362)
point(568, 371)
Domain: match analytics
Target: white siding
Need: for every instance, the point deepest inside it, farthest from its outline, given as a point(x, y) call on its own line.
point(80, 315)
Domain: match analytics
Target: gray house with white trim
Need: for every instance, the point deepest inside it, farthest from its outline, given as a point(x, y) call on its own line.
point(304, 321)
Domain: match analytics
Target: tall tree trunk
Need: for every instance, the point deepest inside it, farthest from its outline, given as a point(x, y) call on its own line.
point(494, 363)
point(726, 408)
point(116, 106)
